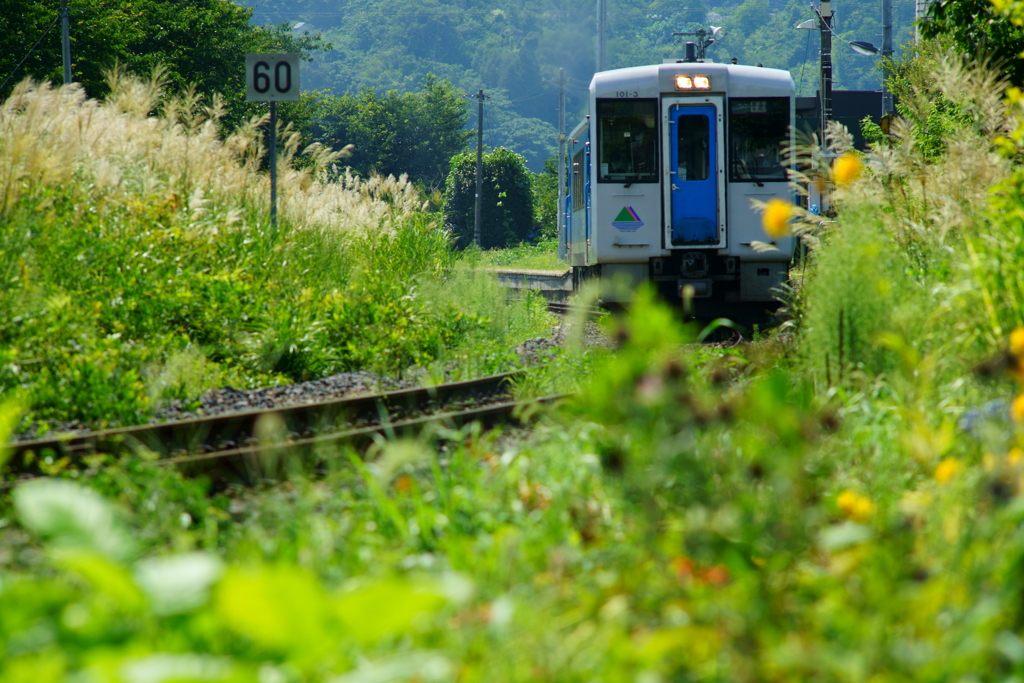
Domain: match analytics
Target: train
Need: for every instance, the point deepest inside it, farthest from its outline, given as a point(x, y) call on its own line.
point(660, 177)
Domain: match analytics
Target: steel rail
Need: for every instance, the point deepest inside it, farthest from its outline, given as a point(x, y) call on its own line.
point(264, 460)
point(564, 307)
point(210, 433)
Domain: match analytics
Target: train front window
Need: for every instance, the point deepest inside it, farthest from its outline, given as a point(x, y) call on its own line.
point(758, 133)
point(627, 138)
point(694, 151)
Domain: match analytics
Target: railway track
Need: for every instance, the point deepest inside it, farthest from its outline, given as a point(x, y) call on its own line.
point(243, 443)
point(566, 308)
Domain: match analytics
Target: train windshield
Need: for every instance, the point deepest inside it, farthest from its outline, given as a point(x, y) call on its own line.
point(758, 133)
point(694, 137)
point(627, 141)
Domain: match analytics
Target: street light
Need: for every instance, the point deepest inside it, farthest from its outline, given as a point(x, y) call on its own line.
point(861, 47)
point(823, 22)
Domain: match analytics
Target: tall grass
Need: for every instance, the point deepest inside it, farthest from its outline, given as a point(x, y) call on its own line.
point(139, 264)
point(141, 141)
point(917, 242)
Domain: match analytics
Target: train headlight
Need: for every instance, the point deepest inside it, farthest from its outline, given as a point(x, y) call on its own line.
point(684, 83)
point(701, 82)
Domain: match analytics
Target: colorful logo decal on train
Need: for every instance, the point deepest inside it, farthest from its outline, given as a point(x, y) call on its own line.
point(628, 220)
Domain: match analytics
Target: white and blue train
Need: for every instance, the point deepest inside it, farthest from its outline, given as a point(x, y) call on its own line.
point(661, 177)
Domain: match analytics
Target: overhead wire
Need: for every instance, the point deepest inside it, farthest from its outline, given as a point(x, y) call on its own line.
point(807, 55)
point(29, 53)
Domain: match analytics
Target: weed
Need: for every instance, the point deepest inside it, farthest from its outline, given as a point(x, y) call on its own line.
point(540, 256)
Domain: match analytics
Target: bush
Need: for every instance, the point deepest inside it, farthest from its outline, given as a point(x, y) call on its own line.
point(506, 205)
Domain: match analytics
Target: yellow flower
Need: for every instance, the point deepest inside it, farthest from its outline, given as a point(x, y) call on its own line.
point(1017, 409)
point(1015, 456)
point(1017, 342)
point(775, 218)
point(947, 469)
point(855, 506)
point(988, 461)
point(846, 169)
point(863, 509)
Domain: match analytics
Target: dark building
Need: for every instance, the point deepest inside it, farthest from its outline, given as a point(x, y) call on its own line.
point(849, 107)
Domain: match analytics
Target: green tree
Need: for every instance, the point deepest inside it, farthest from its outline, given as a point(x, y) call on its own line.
point(545, 200)
point(978, 27)
point(199, 42)
point(396, 133)
point(506, 201)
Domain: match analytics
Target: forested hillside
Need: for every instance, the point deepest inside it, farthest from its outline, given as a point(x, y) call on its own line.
point(508, 48)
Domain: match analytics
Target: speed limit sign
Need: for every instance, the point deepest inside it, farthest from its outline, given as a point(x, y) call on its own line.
point(272, 78)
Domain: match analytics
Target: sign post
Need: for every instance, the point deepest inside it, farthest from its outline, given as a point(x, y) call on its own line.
point(272, 78)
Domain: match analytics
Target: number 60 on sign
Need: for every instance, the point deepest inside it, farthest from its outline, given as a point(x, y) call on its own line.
point(272, 77)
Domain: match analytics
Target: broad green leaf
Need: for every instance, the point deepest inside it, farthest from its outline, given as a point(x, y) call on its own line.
point(71, 517)
point(48, 667)
point(178, 583)
point(841, 536)
point(374, 611)
point(281, 609)
point(158, 668)
point(10, 411)
point(413, 666)
point(104, 576)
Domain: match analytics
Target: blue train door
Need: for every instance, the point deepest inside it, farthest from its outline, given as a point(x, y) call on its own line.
point(694, 174)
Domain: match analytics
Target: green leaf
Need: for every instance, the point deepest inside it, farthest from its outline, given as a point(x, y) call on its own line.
point(281, 609)
point(413, 666)
point(10, 411)
point(72, 517)
point(844, 535)
point(105, 577)
point(178, 583)
point(159, 668)
point(374, 611)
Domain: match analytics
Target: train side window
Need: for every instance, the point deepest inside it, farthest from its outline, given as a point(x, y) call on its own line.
point(578, 171)
point(694, 154)
point(627, 139)
point(758, 134)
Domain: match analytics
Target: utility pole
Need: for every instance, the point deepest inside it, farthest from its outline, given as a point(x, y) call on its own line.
point(273, 166)
point(480, 97)
point(887, 106)
point(601, 46)
point(825, 16)
point(65, 16)
point(562, 247)
point(561, 161)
